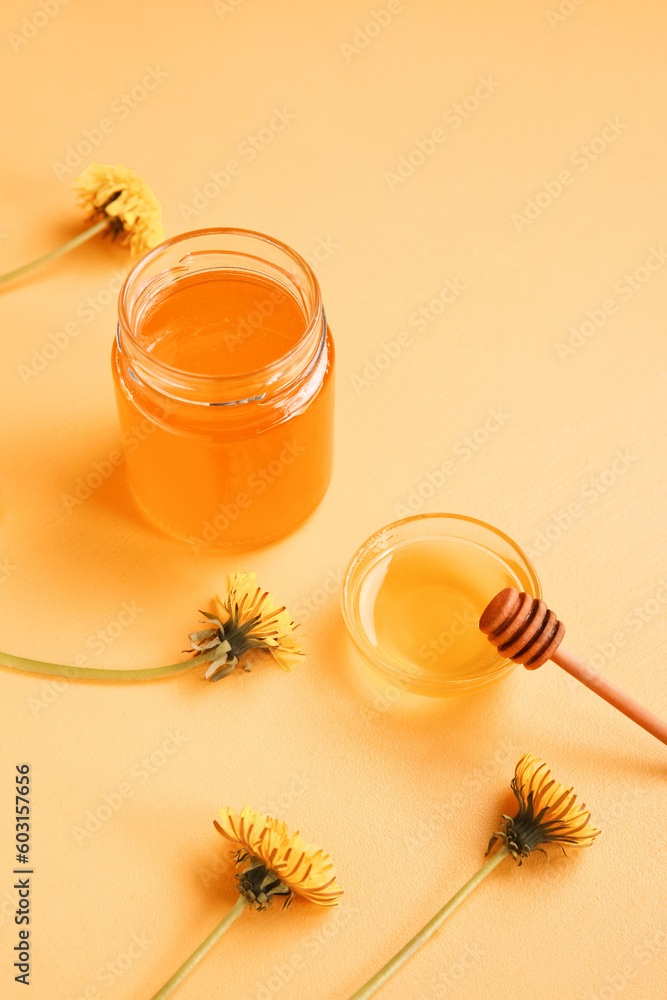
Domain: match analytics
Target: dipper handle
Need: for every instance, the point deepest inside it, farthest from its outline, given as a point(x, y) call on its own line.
point(523, 628)
point(612, 694)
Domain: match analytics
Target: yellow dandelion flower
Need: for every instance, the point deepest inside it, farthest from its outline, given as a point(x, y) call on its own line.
point(276, 864)
point(248, 619)
point(548, 813)
point(118, 201)
point(279, 863)
point(119, 195)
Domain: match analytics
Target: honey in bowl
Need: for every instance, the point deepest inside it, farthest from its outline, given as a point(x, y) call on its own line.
point(414, 594)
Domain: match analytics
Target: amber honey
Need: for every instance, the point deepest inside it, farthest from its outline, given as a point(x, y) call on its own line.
point(421, 605)
point(226, 354)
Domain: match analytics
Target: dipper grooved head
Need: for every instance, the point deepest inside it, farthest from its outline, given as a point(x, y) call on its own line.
point(522, 628)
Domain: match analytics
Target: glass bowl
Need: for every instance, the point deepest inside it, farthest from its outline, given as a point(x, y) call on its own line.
point(413, 595)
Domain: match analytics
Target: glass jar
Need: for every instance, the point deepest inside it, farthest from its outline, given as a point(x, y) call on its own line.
point(223, 370)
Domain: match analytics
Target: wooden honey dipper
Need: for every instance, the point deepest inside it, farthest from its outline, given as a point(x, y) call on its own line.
point(525, 631)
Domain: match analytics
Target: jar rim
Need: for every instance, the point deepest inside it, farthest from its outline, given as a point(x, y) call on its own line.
point(297, 362)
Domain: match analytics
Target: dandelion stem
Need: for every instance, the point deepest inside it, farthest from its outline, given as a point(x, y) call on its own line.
point(94, 673)
point(203, 948)
point(87, 234)
point(399, 959)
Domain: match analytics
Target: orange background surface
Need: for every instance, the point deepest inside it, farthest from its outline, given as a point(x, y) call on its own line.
point(402, 791)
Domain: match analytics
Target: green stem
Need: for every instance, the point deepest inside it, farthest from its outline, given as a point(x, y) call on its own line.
point(95, 673)
point(87, 234)
point(399, 959)
point(203, 948)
